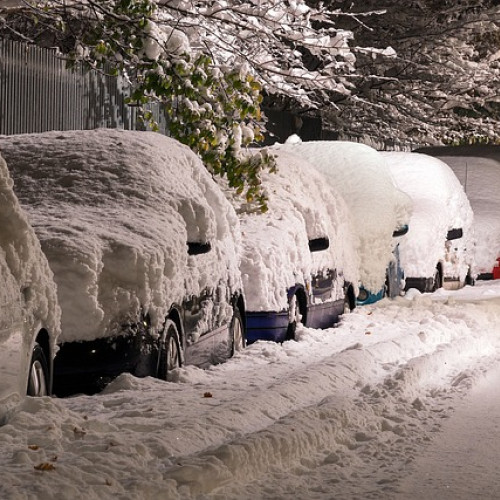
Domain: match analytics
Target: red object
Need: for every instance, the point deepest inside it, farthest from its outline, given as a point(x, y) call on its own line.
point(496, 270)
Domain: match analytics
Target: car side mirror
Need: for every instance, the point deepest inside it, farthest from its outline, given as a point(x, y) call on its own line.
point(400, 231)
point(318, 244)
point(196, 248)
point(455, 234)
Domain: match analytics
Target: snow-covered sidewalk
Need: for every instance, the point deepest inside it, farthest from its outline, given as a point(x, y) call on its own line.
point(342, 413)
point(462, 462)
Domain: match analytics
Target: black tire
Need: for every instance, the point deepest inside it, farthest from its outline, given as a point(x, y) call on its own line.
point(469, 280)
point(169, 351)
point(294, 317)
point(237, 333)
point(38, 379)
point(437, 282)
point(347, 303)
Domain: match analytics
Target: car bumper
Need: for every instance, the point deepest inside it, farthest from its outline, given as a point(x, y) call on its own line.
point(371, 298)
point(266, 325)
point(87, 366)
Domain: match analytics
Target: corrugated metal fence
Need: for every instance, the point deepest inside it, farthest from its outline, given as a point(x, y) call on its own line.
point(38, 93)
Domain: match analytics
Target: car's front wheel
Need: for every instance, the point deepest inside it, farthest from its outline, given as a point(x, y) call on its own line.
point(38, 381)
point(169, 352)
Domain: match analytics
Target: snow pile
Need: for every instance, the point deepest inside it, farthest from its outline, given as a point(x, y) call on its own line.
point(377, 207)
point(20, 252)
point(439, 204)
point(481, 180)
point(114, 211)
point(347, 407)
point(276, 253)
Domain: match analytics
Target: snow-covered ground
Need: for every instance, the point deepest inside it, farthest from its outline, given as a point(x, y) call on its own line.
point(347, 412)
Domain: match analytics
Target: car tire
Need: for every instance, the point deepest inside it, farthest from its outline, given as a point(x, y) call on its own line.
point(38, 378)
point(347, 304)
point(294, 317)
point(169, 351)
point(237, 333)
point(437, 281)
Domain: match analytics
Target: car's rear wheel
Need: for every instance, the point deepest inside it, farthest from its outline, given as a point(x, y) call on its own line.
point(437, 283)
point(169, 352)
point(38, 381)
point(294, 317)
point(237, 332)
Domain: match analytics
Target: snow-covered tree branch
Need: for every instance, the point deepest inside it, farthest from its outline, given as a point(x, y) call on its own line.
point(206, 62)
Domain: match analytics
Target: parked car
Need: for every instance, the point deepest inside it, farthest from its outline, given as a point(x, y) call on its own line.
point(477, 168)
point(379, 210)
point(144, 247)
point(29, 312)
point(438, 249)
point(299, 262)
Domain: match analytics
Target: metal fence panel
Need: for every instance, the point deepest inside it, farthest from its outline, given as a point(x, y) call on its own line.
point(39, 93)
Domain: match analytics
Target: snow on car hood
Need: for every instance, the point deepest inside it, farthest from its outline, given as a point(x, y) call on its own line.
point(439, 204)
point(20, 251)
point(481, 179)
point(276, 252)
point(114, 211)
point(376, 206)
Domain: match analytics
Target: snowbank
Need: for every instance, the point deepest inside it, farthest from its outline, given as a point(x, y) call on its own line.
point(114, 211)
point(439, 204)
point(376, 206)
point(276, 253)
point(348, 408)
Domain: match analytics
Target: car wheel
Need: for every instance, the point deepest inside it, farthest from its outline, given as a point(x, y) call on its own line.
point(238, 341)
point(347, 304)
point(437, 283)
point(169, 352)
point(469, 280)
point(294, 317)
point(38, 381)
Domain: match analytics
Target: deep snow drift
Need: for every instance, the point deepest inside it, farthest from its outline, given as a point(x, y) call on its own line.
point(340, 413)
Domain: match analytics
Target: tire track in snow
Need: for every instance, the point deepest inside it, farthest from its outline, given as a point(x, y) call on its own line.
point(371, 388)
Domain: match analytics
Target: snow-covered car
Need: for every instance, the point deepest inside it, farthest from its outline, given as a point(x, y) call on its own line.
point(144, 247)
point(477, 168)
point(437, 251)
point(299, 261)
point(379, 210)
point(29, 312)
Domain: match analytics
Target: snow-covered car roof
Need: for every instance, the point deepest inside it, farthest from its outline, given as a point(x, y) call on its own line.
point(480, 177)
point(276, 255)
point(114, 211)
point(439, 205)
point(376, 205)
